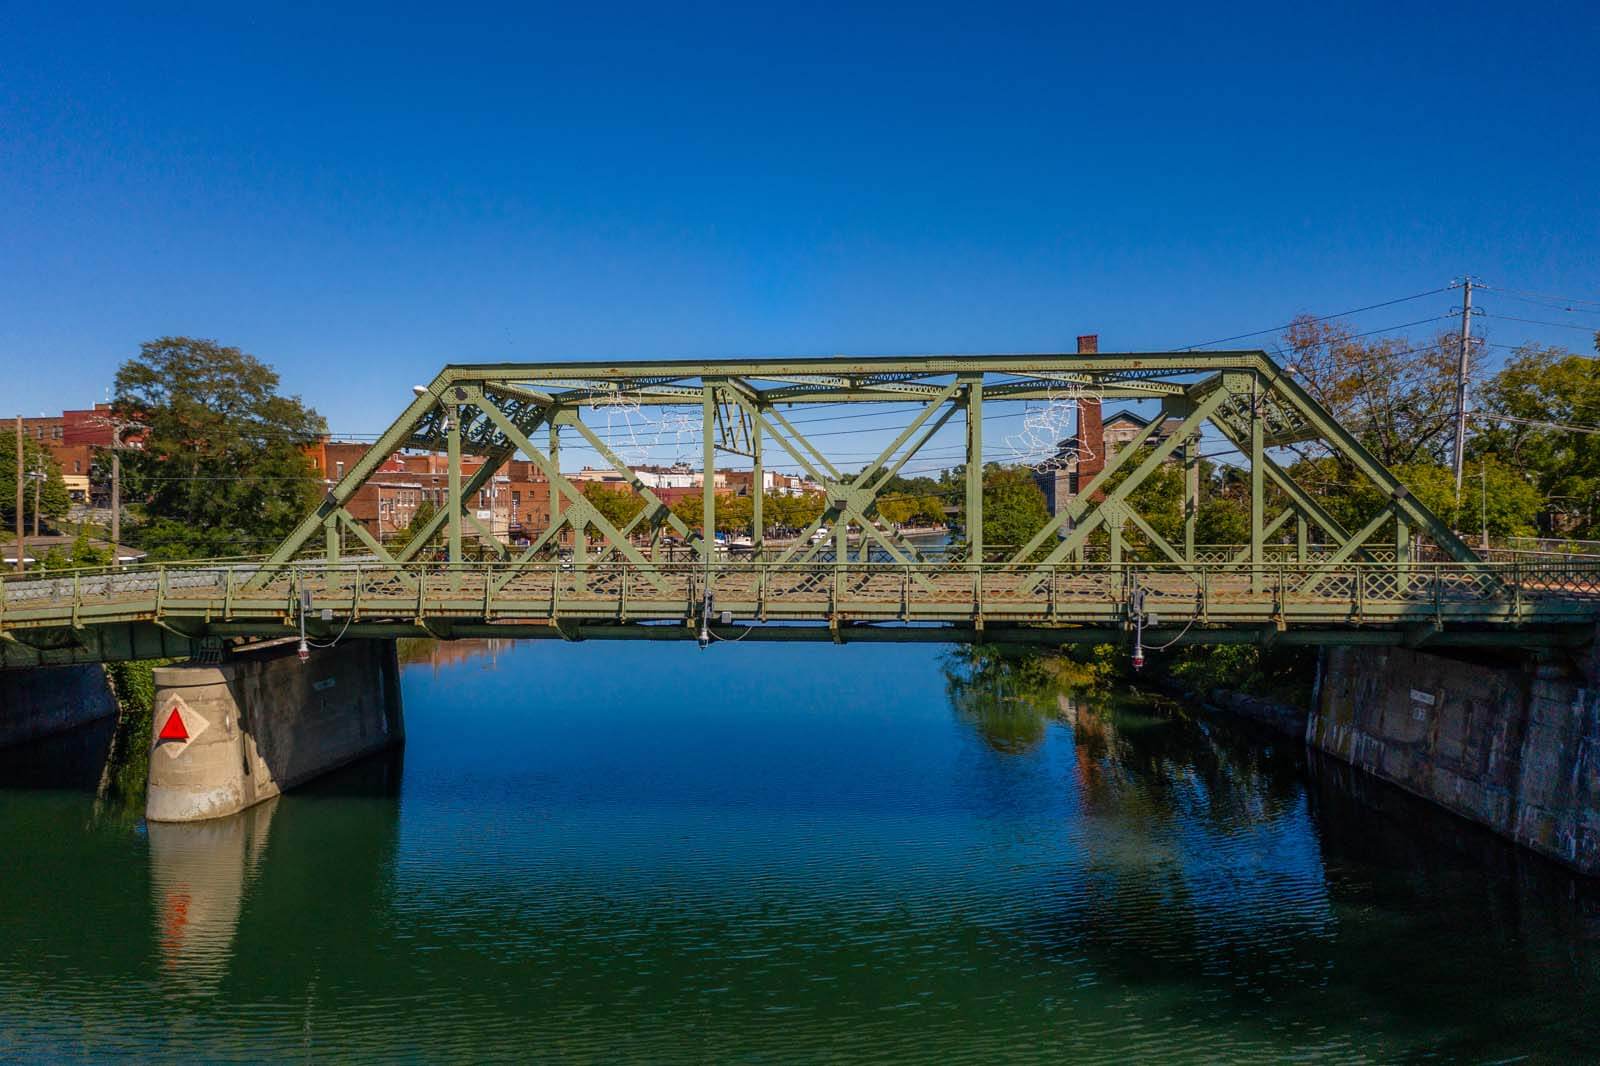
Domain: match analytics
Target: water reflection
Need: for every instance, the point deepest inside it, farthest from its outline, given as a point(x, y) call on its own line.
point(198, 875)
point(443, 654)
point(342, 827)
point(599, 852)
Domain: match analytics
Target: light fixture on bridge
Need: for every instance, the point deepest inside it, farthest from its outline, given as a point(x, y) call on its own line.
point(420, 390)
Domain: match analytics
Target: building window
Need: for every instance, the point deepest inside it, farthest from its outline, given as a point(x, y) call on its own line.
point(338, 469)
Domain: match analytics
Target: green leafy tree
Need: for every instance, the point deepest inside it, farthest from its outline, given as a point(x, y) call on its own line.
point(733, 512)
point(1222, 520)
point(84, 553)
point(1549, 397)
point(1014, 508)
point(225, 468)
point(617, 506)
point(36, 458)
point(419, 521)
point(794, 512)
point(1508, 498)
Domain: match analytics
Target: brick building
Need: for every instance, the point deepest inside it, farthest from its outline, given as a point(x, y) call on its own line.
point(72, 438)
point(1083, 455)
point(514, 502)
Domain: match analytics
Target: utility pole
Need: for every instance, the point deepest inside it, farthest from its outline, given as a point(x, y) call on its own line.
point(120, 428)
point(21, 544)
point(1483, 500)
point(1461, 380)
point(116, 501)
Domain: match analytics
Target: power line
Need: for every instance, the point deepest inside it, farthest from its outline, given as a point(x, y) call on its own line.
point(1489, 416)
point(1539, 322)
point(1534, 297)
point(1322, 318)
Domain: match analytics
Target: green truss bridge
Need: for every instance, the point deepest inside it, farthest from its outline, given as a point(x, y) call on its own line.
point(1099, 572)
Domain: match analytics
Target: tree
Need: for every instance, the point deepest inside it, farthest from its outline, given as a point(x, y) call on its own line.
point(36, 458)
point(733, 512)
point(617, 506)
point(1397, 397)
point(1222, 520)
point(225, 468)
point(793, 512)
point(1014, 508)
point(1541, 392)
point(84, 553)
point(419, 521)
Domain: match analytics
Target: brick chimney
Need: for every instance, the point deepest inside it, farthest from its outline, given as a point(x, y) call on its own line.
point(1091, 431)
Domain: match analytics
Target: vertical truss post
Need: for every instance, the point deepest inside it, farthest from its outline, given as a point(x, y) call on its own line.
point(453, 449)
point(708, 479)
point(1301, 547)
point(330, 529)
point(757, 494)
point(1402, 551)
point(580, 555)
point(1258, 485)
point(1191, 496)
point(975, 472)
point(555, 459)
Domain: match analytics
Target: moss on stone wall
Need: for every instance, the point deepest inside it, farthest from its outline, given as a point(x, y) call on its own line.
point(122, 784)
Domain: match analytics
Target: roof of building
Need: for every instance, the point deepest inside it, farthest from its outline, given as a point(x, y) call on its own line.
point(1134, 418)
point(36, 547)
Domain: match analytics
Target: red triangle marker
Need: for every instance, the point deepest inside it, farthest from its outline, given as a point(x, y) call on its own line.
point(174, 729)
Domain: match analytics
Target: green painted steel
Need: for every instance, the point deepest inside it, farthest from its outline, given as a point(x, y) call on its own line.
point(1073, 581)
point(1516, 604)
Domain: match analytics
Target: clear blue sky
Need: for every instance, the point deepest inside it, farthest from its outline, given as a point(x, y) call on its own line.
point(361, 198)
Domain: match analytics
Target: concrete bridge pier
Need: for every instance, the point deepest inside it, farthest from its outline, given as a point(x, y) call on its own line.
point(1512, 745)
point(227, 736)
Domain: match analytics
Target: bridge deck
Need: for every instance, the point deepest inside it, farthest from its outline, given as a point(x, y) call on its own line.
point(1202, 600)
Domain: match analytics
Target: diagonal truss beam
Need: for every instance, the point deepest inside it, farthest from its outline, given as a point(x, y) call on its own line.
point(1079, 505)
point(855, 500)
point(579, 510)
point(1153, 459)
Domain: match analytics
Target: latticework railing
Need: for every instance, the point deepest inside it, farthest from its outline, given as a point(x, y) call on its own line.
point(1220, 593)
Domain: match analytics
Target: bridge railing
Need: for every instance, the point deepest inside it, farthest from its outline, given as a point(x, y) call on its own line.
point(1567, 588)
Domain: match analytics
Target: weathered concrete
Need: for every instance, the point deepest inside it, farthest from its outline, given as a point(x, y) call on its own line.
point(51, 699)
point(1510, 746)
point(264, 722)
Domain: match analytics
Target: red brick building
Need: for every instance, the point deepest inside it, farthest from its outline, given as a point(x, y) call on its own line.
point(73, 437)
point(515, 504)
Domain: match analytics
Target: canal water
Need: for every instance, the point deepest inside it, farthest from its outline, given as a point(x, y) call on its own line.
point(600, 852)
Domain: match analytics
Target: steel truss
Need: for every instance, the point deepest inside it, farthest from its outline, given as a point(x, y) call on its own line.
point(495, 410)
point(1098, 570)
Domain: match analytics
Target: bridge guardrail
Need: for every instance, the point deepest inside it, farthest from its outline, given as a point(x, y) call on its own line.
point(370, 590)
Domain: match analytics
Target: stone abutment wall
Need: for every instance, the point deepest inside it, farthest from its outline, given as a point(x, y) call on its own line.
point(1511, 745)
